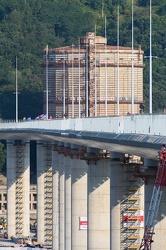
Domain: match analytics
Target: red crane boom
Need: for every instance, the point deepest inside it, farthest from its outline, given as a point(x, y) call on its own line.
point(160, 182)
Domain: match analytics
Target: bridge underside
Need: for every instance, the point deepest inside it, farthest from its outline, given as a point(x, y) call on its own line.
point(140, 145)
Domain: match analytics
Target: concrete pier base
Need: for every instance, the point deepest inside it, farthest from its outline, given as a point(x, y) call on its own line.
point(44, 191)
point(55, 200)
point(99, 205)
point(79, 204)
point(18, 186)
point(116, 194)
point(62, 195)
point(67, 167)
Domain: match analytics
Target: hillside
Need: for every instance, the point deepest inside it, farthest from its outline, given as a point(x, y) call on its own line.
point(26, 26)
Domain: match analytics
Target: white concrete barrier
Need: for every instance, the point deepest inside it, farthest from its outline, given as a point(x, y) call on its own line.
point(140, 124)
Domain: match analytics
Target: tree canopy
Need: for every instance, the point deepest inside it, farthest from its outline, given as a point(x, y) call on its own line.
point(27, 26)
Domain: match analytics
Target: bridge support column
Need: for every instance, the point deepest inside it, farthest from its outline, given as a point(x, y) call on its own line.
point(79, 204)
point(116, 196)
point(18, 186)
point(67, 166)
point(62, 195)
point(55, 200)
point(44, 193)
point(99, 204)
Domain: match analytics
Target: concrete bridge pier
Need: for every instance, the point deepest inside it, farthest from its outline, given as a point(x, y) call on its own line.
point(18, 186)
point(81, 200)
point(116, 196)
point(78, 202)
point(69, 198)
point(127, 204)
point(62, 195)
point(98, 202)
point(44, 192)
point(67, 169)
point(55, 199)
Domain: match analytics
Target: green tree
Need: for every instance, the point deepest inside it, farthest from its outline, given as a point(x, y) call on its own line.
point(26, 27)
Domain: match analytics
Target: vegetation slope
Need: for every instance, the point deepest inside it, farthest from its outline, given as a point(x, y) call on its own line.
point(27, 26)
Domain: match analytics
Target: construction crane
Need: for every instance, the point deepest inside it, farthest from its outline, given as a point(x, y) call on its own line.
point(160, 182)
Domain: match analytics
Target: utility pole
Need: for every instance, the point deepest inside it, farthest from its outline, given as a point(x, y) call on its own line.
point(16, 93)
point(132, 72)
point(47, 82)
point(118, 62)
point(150, 62)
point(105, 66)
point(64, 87)
point(72, 83)
point(79, 94)
point(95, 78)
point(102, 9)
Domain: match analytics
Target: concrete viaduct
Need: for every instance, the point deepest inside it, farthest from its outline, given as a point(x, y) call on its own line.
point(89, 195)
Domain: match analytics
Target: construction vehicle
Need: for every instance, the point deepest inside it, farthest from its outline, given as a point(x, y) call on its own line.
point(160, 182)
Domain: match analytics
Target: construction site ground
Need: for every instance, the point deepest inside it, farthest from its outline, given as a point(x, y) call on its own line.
point(8, 242)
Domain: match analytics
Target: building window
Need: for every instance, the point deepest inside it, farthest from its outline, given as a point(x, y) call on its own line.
point(34, 197)
point(5, 197)
point(34, 206)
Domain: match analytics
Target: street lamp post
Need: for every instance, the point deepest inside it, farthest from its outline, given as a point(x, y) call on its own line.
point(132, 74)
point(64, 87)
point(123, 87)
point(118, 62)
point(150, 63)
point(95, 78)
point(150, 80)
point(16, 93)
point(47, 82)
point(87, 82)
point(105, 67)
point(72, 82)
point(79, 94)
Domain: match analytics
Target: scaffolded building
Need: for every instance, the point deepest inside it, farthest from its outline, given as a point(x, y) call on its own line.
point(92, 79)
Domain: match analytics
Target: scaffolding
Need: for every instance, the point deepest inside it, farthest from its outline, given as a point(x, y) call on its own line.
point(19, 189)
point(48, 197)
point(132, 216)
